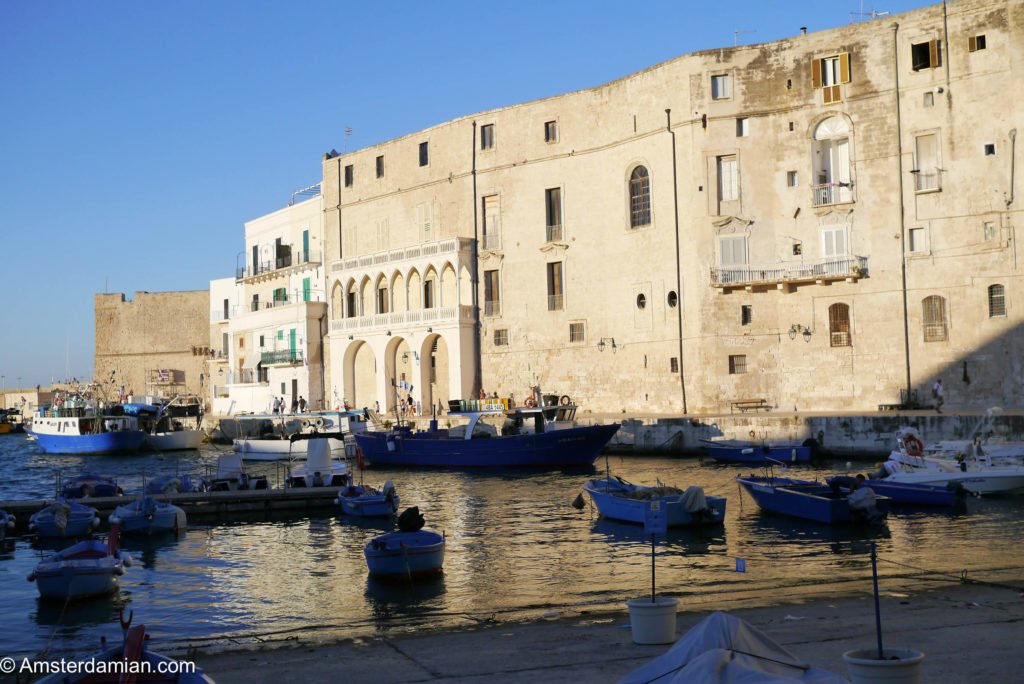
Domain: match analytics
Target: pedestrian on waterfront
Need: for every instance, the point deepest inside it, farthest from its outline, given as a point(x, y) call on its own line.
point(412, 408)
point(939, 394)
point(376, 407)
point(295, 405)
point(276, 408)
point(302, 404)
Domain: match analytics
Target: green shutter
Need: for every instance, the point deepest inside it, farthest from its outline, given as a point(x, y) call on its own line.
point(291, 344)
point(305, 246)
point(305, 289)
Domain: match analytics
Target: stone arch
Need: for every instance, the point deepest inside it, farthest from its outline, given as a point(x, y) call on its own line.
point(415, 287)
point(352, 299)
point(435, 365)
point(431, 284)
point(360, 375)
point(381, 305)
point(465, 286)
point(337, 301)
point(366, 296)
point(449, 285)
point(399, 293)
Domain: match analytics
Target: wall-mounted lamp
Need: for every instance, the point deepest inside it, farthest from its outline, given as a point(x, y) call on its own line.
point(405, 356)
point(389, 333)
point(430, 330)
point(350, 337)
point(220, 372)
point(604, 343)
point(797, 329)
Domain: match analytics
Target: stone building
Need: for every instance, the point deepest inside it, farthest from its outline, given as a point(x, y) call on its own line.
point(825, 221)
point(154, 345)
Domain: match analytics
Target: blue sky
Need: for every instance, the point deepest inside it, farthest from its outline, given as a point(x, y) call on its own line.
point(136, 138)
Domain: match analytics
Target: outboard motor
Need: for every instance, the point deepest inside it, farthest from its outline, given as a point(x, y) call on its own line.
point(411, 520)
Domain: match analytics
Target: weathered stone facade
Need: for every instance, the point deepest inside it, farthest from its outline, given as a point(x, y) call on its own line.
point(155, 331)
point(819, 222)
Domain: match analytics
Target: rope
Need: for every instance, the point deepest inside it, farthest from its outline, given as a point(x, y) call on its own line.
point(960, 578)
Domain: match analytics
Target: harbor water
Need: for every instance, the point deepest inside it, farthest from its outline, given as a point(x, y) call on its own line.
point(516, 550)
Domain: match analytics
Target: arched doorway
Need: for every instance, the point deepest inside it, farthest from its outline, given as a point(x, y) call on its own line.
point(360, 376)
point(434, 373)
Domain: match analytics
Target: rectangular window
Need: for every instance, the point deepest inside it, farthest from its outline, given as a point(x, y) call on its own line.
point(425, 221)
point(283, 389)
point(742, 127)
point(487, 137)
point(933, 314)
point(492, 222)
point(926, 173)
point(732, 250)
point(428, 294)
point(380, 166)
point(350, 305)
point(492, 294)
point(839, 325)
point(225, 344)
point(307, 289)
point(828, 73)
point(975, 43)
point(746, 314)
point(578, 332)
point(996, 301)
point(792, 179)
point(553, 213)
point(501, 337)
point(382, 300)
point(737, 364)
point(929, 99)
point(990, 149)
point(255, 302)
point(918, 240)
point(280, 334)
point(673, 364)
point(834, 241)
point(424, 154)
point(728, 178)
point(990, 230)
point(348, 176)
point(227, 310)
point(550, 131)
point(720, 87)
point(926, 55)
point(262, 344)
point(556, 296)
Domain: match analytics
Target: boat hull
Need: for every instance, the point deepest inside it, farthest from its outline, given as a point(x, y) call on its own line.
point(179, 440)
point(569, 447)
point(79, 522)
point(85, 569)
point(276, 449)
point(995, 481)
point(121, 442)
point(139, 518)
point(368, 505)
point(740, 452)
point(613, 502)
point(405, 554)
point(816, 502)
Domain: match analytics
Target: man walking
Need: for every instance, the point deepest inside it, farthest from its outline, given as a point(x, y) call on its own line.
point(939, 395)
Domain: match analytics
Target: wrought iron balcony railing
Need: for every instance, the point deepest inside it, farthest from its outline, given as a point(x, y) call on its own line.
point(830, 268)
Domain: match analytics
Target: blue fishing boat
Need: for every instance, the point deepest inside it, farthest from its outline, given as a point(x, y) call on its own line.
point(133, 655)
point(617, 499)
point(533, 436)
point(88, 568)
point(89, 486)
point(65, 519)
point(6, 523)
point(740, 451)
point(367, 502)
point(815, 501)
point(905, 493)
point(76, 425)
point(410, 552)
point(148, 516)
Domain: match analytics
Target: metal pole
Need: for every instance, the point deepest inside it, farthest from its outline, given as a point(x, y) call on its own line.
point(652, 567)
point(878, 614)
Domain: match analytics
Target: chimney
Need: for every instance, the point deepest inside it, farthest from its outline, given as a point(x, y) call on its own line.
point(803, 30)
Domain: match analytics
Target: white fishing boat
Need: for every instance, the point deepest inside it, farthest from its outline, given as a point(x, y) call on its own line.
point(909, 464)
point(983, 443)
point(320, 468)
point(266, 437)
point(229, 475)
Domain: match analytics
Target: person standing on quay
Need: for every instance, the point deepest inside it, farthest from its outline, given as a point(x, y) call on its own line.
point(302, 404)
point(939, 394)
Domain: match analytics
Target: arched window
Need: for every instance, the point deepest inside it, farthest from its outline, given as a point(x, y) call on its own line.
point(933, 318)
point(996, 301)
point(639, 198)
point(839, 325)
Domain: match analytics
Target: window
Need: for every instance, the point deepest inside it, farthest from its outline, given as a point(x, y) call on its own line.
point(350, 305)
point(501, 337)
point(996, 301)
point(926, 175)
point(425, 221)
point(990, 230)
point(556, 296)
point(578, 331)
point(918, 240)
point(487, 137)
point(307, 289)
point(929, 99)
point(832, 181)
point(839, 325)
point(280, 334)
point(553, 213)
point(492, 294)
point(428, 294)
point(975, 43)
point(280, 294)
point(639, 198)
point(255, 302)
point(990, 149)
point(742, 128)
point(737, 364)
point(641, 301)
point(792, 179)
point(673, 364)
point(746, 314)
point(829, 73)
point(382, 299)
point(933, 317)
point(424, 153)
point(262, 344)
point(732, 250)
point(492, 222)
point(926, 55)
point(380, 166)
point(728, 178)
point(673, 299)
point(720, 89)
point(834, 241)
point(349, 171)
point(798, 248)
point(550, 131)
point(227, 310)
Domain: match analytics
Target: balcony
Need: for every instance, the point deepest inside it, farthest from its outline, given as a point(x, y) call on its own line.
point(281, 358)
point(295, 260)
point(554, 233)
point(832, 193)
point(927, 180)
point(459, 247)
point(830, 269)
point(404, 320)
point(296, 297)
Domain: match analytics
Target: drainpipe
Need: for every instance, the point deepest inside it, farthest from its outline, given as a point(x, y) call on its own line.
point(475, 283)
point(1013, 163)
point(902, 209)
point(323, 369)
point(341, 251)
point(679, 273)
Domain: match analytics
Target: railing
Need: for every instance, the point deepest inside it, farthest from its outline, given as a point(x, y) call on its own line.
point(297, 258)
point(281, 357)
point(556, 302)
point(926, 181)
point(492, 308)
point(404, 319)
point(831, 268)
point(290, 299)
point(427, 249)
point(219, 315)
point(554, 233)
point(832, 193)
point(492, 241)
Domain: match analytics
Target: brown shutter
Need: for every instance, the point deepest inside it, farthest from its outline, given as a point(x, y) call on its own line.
point(815, 73)
point(972, 44)
point(844, 67)
point(933, 54)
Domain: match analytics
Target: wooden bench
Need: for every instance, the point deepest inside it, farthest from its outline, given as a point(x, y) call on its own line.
point(744, 405)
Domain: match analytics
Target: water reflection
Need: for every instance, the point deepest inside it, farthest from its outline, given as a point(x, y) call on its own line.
point(143, 549)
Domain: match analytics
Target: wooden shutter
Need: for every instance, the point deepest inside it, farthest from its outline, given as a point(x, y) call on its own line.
point(831, 94)
point(844, 67)
point(972, 44)
point(933, 54)
point(815, 73)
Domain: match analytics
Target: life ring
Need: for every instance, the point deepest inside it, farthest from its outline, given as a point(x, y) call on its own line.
point(565, 401)
point(913, 445)
point(360, 461)
point(530, 402)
